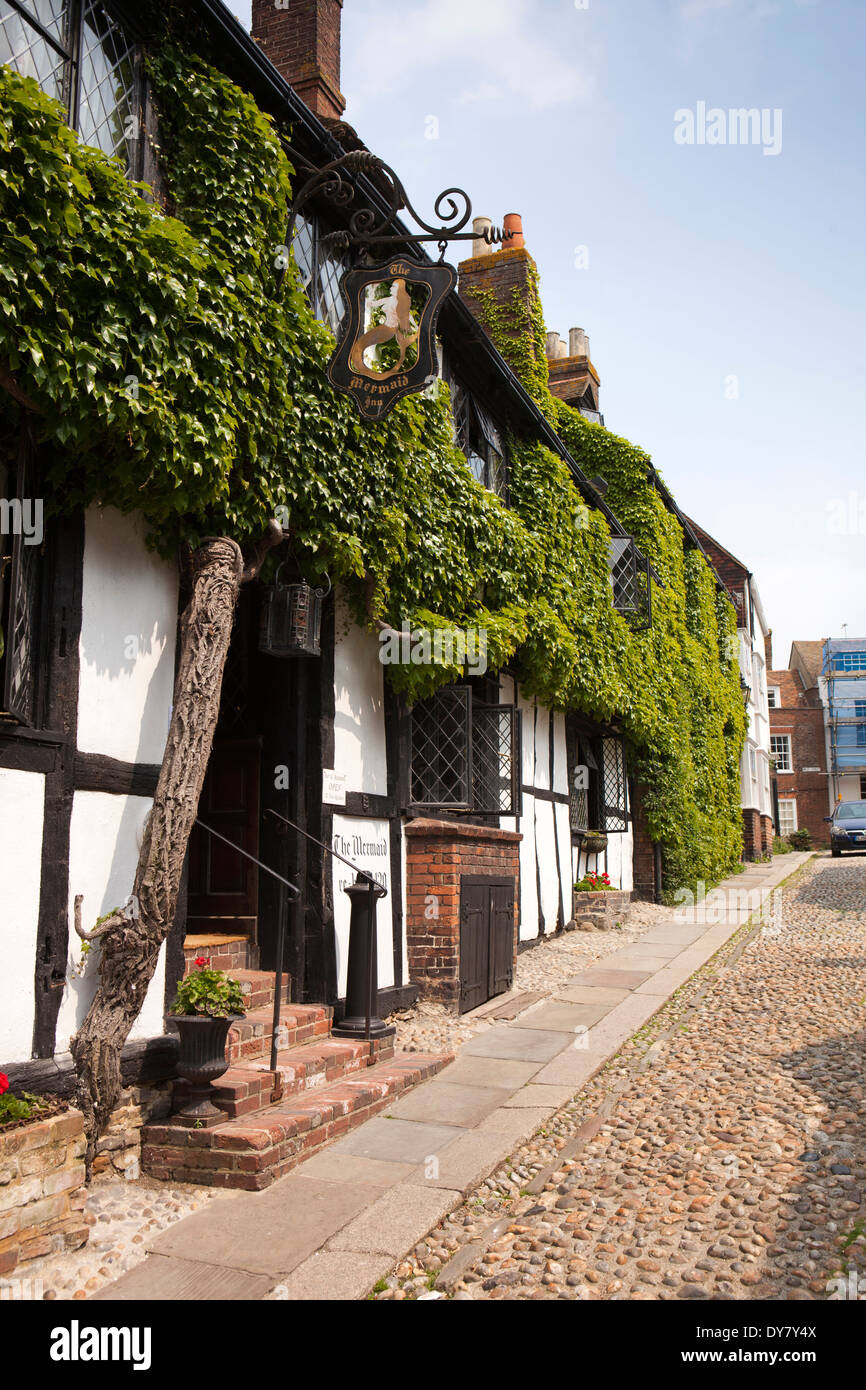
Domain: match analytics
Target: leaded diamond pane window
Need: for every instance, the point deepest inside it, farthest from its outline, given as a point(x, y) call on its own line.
point(30, 52)
point(598, 789)
point(108, 96)
point(480, 439)
point(321, 270)
point(20, 569)
point(84, 59)
point(465, 754)
point(630, 578)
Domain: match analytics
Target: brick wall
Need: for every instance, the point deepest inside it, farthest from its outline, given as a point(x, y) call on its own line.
point(42, 1192)
point(753, 838)
point(767, 833)
point(508, 276)
point(799, 716)
point(574, 379)
point(118, 1148)
point(437, 854)
point(303, 43)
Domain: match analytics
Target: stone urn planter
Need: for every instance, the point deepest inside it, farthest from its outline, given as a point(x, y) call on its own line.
point(207, 1003)
point(202, 1061)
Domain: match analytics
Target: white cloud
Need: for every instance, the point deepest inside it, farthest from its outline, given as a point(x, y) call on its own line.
point(696, 10)
point(496, 41)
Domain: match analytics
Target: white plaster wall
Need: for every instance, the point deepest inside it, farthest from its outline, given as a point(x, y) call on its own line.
point(367, 843)
point(105, 836)
point(560, 755)
point(545, 848)
point(528, 886)
point(359, 717)
point(620, 860)
point(529, 771)
point(22, 801)
point(127, 644)
point(566, 858)
point(542, 748)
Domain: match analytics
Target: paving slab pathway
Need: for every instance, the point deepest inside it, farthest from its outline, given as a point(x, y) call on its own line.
point(721, 1154)
point(334, 1228)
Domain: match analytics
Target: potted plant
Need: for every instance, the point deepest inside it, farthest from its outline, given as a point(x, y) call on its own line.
point(205, 1006)
point(594, 841)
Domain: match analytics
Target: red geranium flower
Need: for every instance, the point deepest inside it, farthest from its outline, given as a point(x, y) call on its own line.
point(4, 1083)
point(202, 961)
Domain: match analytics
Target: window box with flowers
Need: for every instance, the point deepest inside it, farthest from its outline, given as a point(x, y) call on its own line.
point(594, 893)
point(207, 1003)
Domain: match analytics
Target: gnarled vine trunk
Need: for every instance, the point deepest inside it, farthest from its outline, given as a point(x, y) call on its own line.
point(131, 938)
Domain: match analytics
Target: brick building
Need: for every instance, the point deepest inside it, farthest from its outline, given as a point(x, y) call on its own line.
point(797, 743)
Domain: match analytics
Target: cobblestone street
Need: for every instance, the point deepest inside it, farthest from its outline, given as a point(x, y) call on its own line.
point(720, 1155)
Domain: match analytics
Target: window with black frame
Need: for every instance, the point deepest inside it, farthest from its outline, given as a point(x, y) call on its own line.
point(481, 440)
point(465, 754)
point(81, 56)
point(20, 579)
point(321, 269)
point(597, 784)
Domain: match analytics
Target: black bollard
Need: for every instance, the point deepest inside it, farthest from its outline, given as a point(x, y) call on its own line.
point(362, 976)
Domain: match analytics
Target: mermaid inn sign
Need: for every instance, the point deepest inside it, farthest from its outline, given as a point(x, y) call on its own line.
point(387, 342)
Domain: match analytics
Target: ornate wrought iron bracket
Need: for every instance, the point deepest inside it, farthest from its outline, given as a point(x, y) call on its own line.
point(367, 227)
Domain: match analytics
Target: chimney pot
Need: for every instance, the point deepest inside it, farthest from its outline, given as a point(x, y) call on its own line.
point(513, 223)
point(552, 345)
point(578, 343)
point(480, 247)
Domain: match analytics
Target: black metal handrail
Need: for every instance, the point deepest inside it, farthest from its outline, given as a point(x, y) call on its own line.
point(285, 886)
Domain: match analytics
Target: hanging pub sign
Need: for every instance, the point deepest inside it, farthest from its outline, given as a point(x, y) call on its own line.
point(387, 343)
point(387, 346)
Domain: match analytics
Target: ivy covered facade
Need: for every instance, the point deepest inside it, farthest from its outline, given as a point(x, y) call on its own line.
point(493, 693)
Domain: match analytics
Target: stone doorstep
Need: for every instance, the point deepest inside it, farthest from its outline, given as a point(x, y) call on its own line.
point(251, 1152)
point(248, 1086)
point(251, 1038)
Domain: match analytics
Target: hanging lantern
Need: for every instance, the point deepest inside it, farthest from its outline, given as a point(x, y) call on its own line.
point(291, 619)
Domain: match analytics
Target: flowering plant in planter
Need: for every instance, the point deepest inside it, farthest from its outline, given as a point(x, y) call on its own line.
point(208, 993)
point(13, 1109)
point(594, 883)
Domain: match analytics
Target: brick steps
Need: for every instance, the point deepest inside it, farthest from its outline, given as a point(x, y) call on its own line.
point(258, 988)
point(299, 1023)
point(250, 1086)
point(252, 1151)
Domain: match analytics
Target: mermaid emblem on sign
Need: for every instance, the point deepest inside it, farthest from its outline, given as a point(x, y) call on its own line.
point(392, 322)
point(387, 344)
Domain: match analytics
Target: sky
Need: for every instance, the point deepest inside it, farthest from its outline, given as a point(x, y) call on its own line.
point(718, 271)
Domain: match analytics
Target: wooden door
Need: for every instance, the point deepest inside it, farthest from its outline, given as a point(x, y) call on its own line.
point(223, 885)
point(486, 939)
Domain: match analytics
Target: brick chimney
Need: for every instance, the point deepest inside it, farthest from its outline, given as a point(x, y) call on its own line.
point(768, 649)
point(573, 378)
point(510, 276)
point(302, 40)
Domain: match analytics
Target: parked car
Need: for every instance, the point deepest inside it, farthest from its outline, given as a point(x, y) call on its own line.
point(847, 827)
